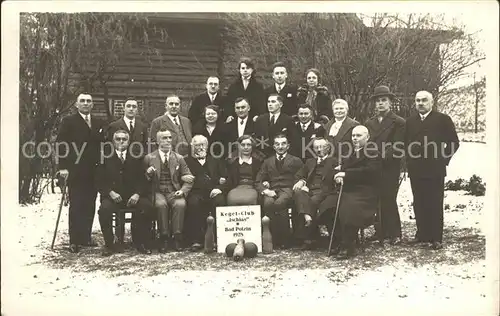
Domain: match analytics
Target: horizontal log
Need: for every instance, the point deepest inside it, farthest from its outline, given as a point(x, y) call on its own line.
point(165, 64)
point(201, 80)
point(189, 56)
point(147, 93)
point(152, 84)
point(157, 71)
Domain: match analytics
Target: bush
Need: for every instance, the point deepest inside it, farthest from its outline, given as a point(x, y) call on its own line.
point(475, 186)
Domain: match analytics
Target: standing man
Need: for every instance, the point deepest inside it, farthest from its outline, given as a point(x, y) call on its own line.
point(387, 131)
point(287, 91)
point(268, 125)
point(339, 129)
point(121, 183)
point(210, 97)
point(207, 193)
point(79, 143)
point(304, 132)
point(243, 125)
point(172, 183)
point(135, 127)
point(178, 125)
point(430, 142)
point(274, 182)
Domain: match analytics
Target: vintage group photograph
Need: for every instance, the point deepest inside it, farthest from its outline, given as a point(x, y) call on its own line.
point(242, 156)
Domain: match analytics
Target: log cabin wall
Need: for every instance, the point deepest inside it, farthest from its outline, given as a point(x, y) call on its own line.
point(180, 63)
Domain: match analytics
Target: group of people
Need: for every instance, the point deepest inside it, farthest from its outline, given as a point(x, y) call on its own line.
point(303, 153)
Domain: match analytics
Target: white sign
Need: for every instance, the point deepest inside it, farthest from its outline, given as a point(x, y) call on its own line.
point(235, 222)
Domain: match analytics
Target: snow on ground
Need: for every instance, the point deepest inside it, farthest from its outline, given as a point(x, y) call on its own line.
point(411, 275)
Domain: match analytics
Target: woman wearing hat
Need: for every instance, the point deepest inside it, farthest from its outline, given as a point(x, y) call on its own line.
point(387, 132)
point(315, 95)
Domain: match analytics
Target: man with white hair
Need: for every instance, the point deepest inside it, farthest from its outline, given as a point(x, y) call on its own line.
point(360, 175)
point(339, 129)
point(207, 193)
point(210, 97)
point(430, 142)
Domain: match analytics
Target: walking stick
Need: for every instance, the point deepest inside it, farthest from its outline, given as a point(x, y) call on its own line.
point(335, 219)
point(63, 195)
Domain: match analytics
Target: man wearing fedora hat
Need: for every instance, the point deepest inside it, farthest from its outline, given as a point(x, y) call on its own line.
point(387, 132)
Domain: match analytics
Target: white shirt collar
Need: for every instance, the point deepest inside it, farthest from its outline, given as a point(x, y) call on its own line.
point(247, 160)
point(423, 116)
point(340, 122)
point(276, 116)
point(127, 120)
point(284, 156)
point(172, 118)
point(163, 155)
point(212, 96)
point(118, 153)
point(83, 116)
point(279, 86)
point(244, 120)
point(306, 125)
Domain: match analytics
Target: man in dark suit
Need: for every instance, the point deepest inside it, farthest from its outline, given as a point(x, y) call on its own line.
point(360, 175)
point(274, 182)
point(268, 125)
point(210, 97)
point(339, 129)
point(304, 132)
point(178, 125)
point(121, 183)
point(243, 125)
point(430, 142)
point(207, 193)
point(386, 131)
point(287, 91)
point(79, 142)
point(172, 182)
point(314, 192)
point(137, 129)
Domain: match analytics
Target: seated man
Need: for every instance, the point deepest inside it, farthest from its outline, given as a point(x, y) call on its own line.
point(172, 181)
point(121, 183)
point(274, 182)
point(314, 190)
point(207, 192)
point(359, 173)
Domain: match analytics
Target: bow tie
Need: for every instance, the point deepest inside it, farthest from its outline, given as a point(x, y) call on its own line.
point(201, 158)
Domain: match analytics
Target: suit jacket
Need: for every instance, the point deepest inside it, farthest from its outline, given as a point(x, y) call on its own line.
point(437, 128)
point(233, 169)
point(165, 121)
point(217, 136)
point(389, 133)
point(265, 133)
point(323, 100)
point(278, 179)
point(138, 136)
point(289, 95)
point(178, 169)
point(301, 142)
point(343, 139)
point(195, 113)
point(254, 93)
point(125, 178)
point(216, 171)
point(80, 147)
point(231, 131)
point(306, 172)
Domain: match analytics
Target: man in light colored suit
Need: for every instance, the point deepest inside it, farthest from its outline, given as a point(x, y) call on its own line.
point(339, 130)
point(172, 182)
point(178, 125)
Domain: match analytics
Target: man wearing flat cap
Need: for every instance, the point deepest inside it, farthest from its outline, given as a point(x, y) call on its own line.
point(387, 132)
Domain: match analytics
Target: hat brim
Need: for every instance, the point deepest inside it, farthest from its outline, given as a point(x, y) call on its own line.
point(389, 94)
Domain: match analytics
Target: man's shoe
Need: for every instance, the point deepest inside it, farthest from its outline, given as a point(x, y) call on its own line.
point(106, 251)
point(414, 241)
point(196, 247)
point(73, 248)
point(436, 245)
point(395, 241)
point(142, 249)
point(335, 250)
point(163, 247)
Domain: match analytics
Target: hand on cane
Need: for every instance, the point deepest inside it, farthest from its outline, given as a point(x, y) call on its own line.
point(339, 177)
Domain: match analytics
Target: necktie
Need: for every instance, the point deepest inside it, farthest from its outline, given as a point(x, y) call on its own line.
point(422, 118)
point(303, 127)
point(131, 127)
point(242, 121)
point(280, 161)
point(87, 120)
point(278, 89)
point(271, 123)
point(122, 157)
point(175, 121)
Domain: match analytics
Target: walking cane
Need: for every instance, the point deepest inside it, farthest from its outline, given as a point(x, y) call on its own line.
point(335, 219)
point(63, 195)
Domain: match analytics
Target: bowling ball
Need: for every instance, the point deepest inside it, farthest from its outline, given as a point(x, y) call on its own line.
point(250, 250)
point(230, 249)
point(265, 220)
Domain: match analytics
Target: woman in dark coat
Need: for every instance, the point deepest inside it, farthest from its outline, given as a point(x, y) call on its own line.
point(242, 171)
point(316, 95)
point(248, 87)
point(212, 129)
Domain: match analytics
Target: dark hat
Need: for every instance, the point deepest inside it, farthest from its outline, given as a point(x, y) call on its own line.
point(382, 91)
